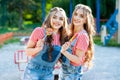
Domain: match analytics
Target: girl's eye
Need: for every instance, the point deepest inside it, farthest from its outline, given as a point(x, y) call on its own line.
point(75, 14)
point(61, 19)
point(81, 15)
point(54, 17)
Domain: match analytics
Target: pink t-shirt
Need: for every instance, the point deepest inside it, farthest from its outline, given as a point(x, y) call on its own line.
point(82, 44)
point(38, 33)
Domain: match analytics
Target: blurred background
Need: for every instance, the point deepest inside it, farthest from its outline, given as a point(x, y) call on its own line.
point(21, 16)
point(18, 18)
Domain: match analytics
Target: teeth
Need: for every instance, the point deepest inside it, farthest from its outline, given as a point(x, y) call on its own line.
point(56, 24)
point(76, 21)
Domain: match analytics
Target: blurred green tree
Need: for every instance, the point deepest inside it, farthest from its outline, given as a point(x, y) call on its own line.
point(19, 6)
point(14, 12)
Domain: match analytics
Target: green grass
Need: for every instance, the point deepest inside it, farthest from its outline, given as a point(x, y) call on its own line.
point(112, 42)
point(26, 31)
point(4, 30)
point(97, 40)
point(0, 45)
point(12, 40)
point(27, 28)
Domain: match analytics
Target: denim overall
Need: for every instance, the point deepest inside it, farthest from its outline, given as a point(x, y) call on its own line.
point(39, 67)
point(71, 72)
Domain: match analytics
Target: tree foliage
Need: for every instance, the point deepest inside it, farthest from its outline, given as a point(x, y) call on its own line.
point(14, 12)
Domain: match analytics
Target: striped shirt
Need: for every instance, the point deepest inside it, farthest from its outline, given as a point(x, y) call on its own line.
point(82, 44)
point(38, 33)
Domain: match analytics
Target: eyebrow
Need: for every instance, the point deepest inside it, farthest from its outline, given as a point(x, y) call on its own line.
point(61, 17)
point(56, 16)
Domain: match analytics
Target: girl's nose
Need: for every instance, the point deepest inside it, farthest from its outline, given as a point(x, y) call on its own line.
point(57, 20)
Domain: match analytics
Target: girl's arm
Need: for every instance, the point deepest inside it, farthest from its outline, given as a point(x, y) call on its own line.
point(33, 45)
point(73, 58)
point(33, 48)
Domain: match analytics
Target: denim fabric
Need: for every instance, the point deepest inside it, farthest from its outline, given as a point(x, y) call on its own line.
point(64, 59)
point(39, 67)
point(38, 72)
point(71, 72)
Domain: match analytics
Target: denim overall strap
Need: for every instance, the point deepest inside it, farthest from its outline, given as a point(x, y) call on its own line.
point(71, 72)
point(39, 67)
point(40, 59)
point(64, 59)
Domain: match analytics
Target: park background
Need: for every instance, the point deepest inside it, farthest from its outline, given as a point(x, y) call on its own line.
point(21, 16)
point(18, 18)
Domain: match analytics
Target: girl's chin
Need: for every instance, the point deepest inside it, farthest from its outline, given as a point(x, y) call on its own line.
point(77, 24)
point(56, 27)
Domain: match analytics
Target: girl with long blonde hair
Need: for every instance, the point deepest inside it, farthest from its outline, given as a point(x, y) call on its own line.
point(44, 46)
point(81, 43)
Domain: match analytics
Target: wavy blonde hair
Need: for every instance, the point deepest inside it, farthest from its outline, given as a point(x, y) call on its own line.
point(89, 27)
point(62, 30)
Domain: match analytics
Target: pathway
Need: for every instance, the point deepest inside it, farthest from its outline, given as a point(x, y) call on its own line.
point(106, 63)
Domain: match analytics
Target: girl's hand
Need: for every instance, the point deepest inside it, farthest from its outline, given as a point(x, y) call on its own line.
point(40, 44)
point(49, 31)
point(65, 47)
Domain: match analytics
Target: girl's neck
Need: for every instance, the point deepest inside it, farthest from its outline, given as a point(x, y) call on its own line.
point(55, 31)
point(78, 29)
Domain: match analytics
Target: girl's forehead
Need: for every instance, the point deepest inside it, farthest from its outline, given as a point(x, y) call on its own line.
point(58, 13)
point(79, 11)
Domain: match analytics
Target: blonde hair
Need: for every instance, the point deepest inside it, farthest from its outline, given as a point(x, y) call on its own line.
point(62, 30)
point(89, 27)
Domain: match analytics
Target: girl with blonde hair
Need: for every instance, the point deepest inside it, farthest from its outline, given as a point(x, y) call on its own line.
point(44, 46)
point(81, 44)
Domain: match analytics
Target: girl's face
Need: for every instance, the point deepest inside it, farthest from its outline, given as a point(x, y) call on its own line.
point(79, 18)
point(57, 20)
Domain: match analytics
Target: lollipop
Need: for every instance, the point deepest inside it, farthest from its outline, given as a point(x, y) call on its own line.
point(49, 31)
point(72, 38)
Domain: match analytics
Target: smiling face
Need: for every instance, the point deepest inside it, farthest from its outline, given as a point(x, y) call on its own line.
point(57, 20)
point(79, 18)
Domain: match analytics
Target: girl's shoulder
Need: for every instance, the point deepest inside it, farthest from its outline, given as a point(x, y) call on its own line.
point(83, 36)
point(83, 33)
point(38, 33)
point(39, 29)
